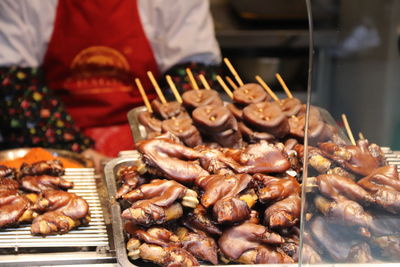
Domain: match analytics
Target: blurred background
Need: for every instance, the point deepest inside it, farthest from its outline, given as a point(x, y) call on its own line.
point(357, 56)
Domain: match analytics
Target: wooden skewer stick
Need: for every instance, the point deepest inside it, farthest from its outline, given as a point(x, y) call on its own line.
point(231, 82)
point(348, 130)
point(192, 79)
point(283, 84)
point(157, 87)
point(143, 94)
point(233, 71)
point(361, 136)
point(267, 88)
point(224, 86)
point(173, 88)
point(204, 82)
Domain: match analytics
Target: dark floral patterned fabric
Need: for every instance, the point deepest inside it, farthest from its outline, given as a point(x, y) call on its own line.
point(32, 116)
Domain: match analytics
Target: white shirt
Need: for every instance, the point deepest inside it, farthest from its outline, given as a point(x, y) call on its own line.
point(178, 31)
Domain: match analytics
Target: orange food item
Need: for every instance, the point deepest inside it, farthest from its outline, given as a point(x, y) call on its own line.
point(39, 154)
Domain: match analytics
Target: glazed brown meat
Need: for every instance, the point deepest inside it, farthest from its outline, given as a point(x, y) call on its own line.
point(151, 123)
point(262, 157)
point(338, 242)
point(184, 130)
point(198, 219)
point(217, 123)
point(284, 213)
point(248, 236)
point(315, 158)
point(68, 203)
point(14, 208)
point(198, 244)
point(53, 222)
point(172, 159)
point(50, 167)
point(196, 98)
point(222, 193)
point(253, 136)
point(290, 106)
point(156, 202)
point(128, 178)
point(316, 125)
point(335, 186)
point(384, 185)
point(250, 93)
point(40, 183)
point(168, 110)
point(154, 235)
point(236, 111)
point(357, 159)
point(160, 246)
point(266, 117)
point(275, 189)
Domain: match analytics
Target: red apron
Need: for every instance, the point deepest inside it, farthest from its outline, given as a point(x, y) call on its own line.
point(96, 50)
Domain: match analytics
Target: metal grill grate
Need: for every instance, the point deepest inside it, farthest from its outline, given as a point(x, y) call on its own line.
point(93, 235)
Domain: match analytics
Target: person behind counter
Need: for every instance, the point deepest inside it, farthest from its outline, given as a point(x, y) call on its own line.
point(67, 67)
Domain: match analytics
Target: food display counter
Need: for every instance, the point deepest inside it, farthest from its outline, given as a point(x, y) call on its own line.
point(239, 177)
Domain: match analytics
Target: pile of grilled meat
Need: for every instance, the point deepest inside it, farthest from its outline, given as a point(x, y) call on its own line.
point(36, 194)
point(221, 184)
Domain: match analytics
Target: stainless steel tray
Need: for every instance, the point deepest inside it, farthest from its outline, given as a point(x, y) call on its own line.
point(88, 244)
point(11, 154)
point(139, 131)
point(119, 238)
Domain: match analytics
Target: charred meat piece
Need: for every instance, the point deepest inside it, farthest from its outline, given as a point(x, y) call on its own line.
point(50, 167)
point(384, 185)
point(168, 110)
point(6, 172)
point(7, 184)
point(196, 98)
point(151, 123)
point(275, 189)
point(290, 106)
point(184, 130)
point(357, 159)
point(284, 213)
point(217, 123)
point(248, 236)
point(40, 183)
point(129, 178)
point(266, 117)
point(172, 159)
point(250, 93)
point(198, 244)
point(156, 202)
